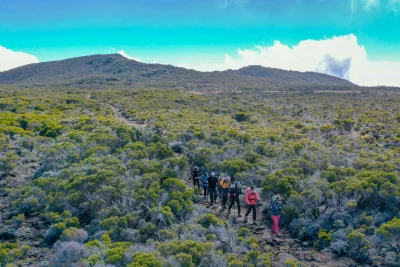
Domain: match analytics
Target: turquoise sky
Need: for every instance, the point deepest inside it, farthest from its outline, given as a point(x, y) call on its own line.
point(173, 31)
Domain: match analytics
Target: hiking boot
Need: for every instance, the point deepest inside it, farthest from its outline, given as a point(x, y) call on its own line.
point(245, 219)
point(254, 222)
point(239, 215)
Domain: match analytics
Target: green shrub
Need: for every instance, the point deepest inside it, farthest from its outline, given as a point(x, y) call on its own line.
point(324, 240)
point(208, 220)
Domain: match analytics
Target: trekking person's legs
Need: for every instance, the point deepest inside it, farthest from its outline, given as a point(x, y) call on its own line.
point(277, 223)
point(275, 226)
point(253, 207)
point(238, 205)
point(212, 192)
point(224, 200)
point(247, 213)
point(231, 205)
point(214, 197)
point(205, 191)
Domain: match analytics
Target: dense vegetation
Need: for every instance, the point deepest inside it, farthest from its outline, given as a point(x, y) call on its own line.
point(107, 192)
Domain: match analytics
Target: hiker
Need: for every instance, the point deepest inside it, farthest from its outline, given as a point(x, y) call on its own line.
point(219, 187)
point(235, 192)
point(204, 181)
point(276, 208)
point(251, 199)
point(225, 183)
point(212, 187)
point(196, 175)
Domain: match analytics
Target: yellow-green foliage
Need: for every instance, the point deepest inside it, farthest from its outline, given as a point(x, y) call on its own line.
point(113, 252)
point(167, 235)
point(196, 250)
point(243, 231)
point(145, 260)
point(10, 252)
point(357, 240)
point(208, 220)
point(324, 239)
point(290, 263)
point(389, 233)
point(184, 259)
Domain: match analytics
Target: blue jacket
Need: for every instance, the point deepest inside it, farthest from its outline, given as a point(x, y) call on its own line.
point(276, 207)
point(204, 180)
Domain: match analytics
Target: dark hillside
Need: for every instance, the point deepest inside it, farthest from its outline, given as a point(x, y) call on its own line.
point(112, 71)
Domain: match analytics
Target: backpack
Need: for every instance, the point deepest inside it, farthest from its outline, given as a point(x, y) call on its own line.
point(252, 196)
point(196, 173)
point(204, 180)
point(232, 192)
point(275, 207)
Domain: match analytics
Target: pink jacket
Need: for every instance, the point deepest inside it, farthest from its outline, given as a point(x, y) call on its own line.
point(251, 197)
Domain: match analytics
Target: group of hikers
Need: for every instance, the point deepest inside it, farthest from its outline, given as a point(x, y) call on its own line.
point(221, 187)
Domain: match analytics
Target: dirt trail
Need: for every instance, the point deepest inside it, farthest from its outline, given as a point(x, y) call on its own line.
point(282, 248)
point(120, 116)
point(262, 227)
point(125, 119)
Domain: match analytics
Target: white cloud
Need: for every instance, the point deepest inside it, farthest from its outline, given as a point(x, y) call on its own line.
point(122, 53)
point(395, 6)
point(369, 4)
point(10, 59)
point(364, 5)
point(339, 56)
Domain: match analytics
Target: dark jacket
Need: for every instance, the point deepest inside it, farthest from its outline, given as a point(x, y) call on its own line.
point(235, 192)
point(212, 182)
point(276, 208)
point(196, 174)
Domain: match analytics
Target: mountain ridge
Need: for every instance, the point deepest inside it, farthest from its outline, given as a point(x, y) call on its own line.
point(114, 70)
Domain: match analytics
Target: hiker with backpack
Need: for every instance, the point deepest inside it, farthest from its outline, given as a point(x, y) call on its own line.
point(212, 187)
point(204, 182)
point(251, 199)
point(225, 183)
point(276, 208)
point(234, 193)
point(196, 175)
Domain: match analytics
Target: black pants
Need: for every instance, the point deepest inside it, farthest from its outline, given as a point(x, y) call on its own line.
point(213, 195)
point(224, 196)
point(205, 190)
point(224, 200)
point(251, 207)
point(233, 200)
point(196, 181)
